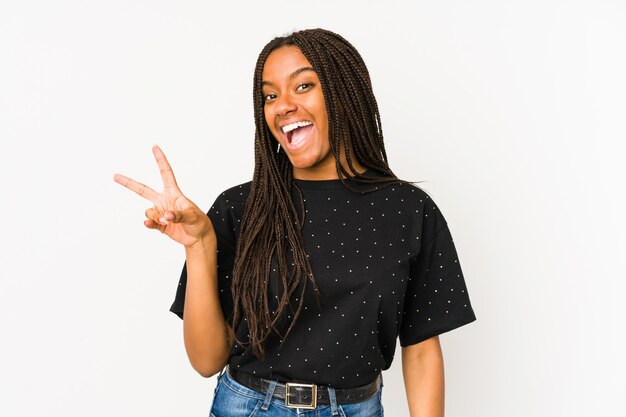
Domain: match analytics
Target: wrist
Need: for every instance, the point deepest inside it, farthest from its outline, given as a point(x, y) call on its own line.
point(205, 241)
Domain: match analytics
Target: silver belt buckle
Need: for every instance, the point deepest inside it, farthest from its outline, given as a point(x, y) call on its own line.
point(313, 388)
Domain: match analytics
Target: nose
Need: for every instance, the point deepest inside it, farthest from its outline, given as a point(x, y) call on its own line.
point(285, 104)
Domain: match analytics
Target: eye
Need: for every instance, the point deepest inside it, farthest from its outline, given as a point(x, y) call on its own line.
point(269, 97)
point(304, 86)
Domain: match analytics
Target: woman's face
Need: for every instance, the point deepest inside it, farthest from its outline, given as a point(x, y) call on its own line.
point(296, 115)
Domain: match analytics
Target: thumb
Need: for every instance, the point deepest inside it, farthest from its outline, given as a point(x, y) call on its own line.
point(177, 216)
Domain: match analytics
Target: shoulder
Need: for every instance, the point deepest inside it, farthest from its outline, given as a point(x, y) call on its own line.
point(232, 200)
point(409, 194)
point(420, 205)
point(414, 192)
point(236, 194)
point(421, 198)
point(227, 211)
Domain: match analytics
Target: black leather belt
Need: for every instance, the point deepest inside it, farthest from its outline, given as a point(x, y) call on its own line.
point(299, 395)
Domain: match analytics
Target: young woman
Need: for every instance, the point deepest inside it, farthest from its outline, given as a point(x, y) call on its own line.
point(299, 282)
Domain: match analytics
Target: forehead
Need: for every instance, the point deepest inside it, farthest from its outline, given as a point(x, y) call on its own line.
point(281, 63)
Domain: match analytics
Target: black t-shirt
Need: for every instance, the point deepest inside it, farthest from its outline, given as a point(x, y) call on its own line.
point(385, 265)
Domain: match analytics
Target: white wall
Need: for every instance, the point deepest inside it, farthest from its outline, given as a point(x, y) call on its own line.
point(512, 111)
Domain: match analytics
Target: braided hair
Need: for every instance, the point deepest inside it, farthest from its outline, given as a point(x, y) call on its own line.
point(270, 236)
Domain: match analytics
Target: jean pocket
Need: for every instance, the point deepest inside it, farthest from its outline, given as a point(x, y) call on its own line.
point(230, 403)
point(249, 407)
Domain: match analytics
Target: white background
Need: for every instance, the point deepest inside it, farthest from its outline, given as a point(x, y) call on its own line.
point(512, 112)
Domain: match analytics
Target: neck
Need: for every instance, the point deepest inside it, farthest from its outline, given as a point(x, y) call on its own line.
point(327, 172)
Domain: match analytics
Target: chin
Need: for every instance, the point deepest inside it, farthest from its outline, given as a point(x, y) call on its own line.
point(304, 163)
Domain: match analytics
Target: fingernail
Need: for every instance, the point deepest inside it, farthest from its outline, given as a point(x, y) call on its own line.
point(162, 220)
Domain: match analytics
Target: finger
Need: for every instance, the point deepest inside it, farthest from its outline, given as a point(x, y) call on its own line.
point(172, 216)
point(150, 213)
point(160, 218)
point(167, 175)
point(150, 224)
point(188, 215)
point(139, 188)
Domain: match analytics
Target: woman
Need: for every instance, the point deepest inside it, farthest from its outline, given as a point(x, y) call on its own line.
point(300, 281)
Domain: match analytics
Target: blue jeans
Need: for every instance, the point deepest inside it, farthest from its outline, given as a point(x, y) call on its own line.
point(232, 399)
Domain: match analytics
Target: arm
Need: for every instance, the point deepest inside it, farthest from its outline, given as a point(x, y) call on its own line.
point(208, 337)
point(422, 368)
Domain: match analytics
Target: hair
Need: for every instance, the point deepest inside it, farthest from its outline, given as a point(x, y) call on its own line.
point(270, 234)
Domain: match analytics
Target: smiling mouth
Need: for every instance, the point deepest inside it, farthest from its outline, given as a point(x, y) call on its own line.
point(297, 132)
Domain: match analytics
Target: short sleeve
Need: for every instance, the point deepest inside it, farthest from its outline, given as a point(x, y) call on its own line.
point(225, 215)
point(436, 300)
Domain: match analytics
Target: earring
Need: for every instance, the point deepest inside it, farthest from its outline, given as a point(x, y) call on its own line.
point(278, 150)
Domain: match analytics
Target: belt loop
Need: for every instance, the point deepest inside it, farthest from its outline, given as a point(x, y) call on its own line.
point(269, 395)
point(332, 398)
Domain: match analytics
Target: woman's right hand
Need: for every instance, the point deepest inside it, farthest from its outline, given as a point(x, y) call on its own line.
point(172, 213)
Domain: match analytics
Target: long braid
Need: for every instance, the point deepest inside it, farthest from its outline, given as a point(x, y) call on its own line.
point(270, 233)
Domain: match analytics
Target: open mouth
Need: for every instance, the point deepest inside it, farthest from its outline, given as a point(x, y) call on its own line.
point(297, 132)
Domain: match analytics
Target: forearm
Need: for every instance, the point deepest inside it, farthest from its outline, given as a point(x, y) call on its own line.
point(422, 367)
point(207, 335)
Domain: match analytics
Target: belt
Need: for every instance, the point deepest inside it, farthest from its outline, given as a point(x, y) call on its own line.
point(299, 395)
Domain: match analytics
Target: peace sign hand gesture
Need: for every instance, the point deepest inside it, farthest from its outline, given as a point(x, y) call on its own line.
point(173, 213)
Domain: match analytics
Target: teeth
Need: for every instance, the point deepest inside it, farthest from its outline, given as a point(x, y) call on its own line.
point(292, 126)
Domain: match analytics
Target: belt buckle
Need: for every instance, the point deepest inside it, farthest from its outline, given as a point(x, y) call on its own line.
point(313, 388)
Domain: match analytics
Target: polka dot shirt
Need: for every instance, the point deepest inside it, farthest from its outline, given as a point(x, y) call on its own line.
point(386, 267)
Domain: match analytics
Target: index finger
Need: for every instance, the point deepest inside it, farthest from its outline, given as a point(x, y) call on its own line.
point(139, 188)
point(167, 175)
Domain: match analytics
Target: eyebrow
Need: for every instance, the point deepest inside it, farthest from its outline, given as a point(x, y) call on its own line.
point(292, 75)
